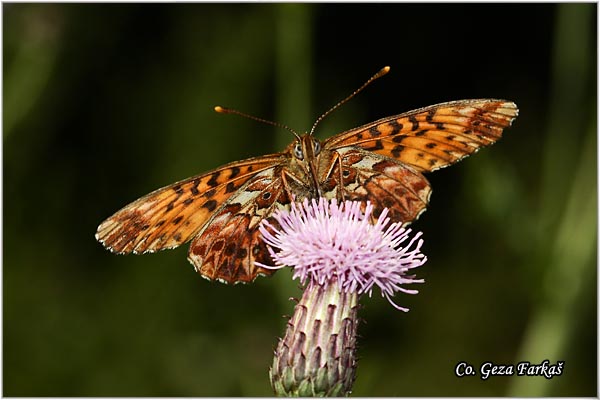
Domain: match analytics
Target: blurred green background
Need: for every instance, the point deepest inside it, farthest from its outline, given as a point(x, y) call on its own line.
point(104, 103)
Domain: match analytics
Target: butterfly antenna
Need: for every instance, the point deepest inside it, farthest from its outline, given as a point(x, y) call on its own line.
point(378, 75)
point(224, 110)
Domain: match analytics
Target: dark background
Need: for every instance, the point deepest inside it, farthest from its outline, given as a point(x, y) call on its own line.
point(104, 103)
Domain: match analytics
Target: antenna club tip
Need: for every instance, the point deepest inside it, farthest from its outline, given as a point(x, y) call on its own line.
point(220, 109)
point(385, 70)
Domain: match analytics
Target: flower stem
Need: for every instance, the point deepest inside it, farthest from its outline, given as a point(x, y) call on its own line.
point(316, 356)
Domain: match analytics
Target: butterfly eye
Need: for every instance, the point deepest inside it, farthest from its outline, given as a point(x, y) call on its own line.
point(317, 146)
point(298, 152)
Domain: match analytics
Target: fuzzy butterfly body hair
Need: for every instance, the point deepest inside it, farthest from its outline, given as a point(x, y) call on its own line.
point(220, 211)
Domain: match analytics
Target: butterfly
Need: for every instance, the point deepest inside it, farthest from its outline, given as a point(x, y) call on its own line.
point(382, 162)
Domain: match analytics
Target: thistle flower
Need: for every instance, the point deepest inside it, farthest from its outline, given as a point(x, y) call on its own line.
point(338, 254)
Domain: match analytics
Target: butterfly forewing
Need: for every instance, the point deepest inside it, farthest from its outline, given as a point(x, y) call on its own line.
point(433, 137)
point(172, 215)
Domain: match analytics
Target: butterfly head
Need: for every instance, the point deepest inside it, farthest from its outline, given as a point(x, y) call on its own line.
point(306, 147)
point(304, 154)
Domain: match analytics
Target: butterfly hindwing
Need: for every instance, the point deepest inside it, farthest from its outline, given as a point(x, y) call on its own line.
point(227, 247)
point(433, 137)
point(384, 181)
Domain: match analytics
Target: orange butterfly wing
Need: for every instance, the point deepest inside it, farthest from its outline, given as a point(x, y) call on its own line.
point(172, 215)
point(227, 248)
point(433, 137)
point(386, 183)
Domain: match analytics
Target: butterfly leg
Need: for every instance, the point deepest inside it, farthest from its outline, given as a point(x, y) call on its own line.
point(332, 181)
point(337, 159)
point(289, 181)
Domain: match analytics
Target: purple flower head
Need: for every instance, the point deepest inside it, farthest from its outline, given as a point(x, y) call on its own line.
point(329, 242)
